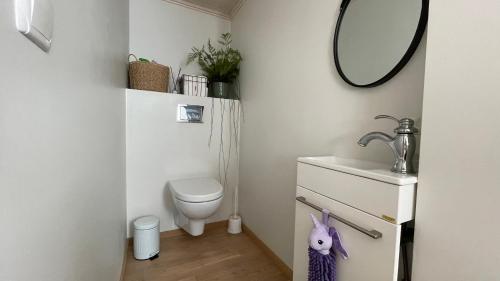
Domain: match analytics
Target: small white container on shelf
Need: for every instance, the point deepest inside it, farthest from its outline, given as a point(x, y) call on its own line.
point(146, 238)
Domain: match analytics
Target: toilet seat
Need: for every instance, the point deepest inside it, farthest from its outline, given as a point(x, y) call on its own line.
point(197, 190)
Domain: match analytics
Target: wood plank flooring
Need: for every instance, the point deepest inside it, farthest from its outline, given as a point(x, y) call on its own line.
point(215, 256)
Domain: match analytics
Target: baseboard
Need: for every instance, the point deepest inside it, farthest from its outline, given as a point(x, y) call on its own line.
point(124, 262)
point(180, 232)
point(277, 260)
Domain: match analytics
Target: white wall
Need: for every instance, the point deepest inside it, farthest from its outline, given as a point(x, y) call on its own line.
point(159, 150)
point(457, 233)
point(166, 32)
point(296, 105)
point(62, 148)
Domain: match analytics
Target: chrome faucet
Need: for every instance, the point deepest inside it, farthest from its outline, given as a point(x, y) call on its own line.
point(403, 144)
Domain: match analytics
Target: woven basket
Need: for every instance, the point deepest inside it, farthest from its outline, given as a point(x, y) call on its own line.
point(148, 76)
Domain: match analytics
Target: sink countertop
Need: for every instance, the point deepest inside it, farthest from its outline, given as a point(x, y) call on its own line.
point(372, 170)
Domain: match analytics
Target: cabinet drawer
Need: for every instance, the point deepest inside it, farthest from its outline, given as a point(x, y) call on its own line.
point(370, 259)
point(391, 202)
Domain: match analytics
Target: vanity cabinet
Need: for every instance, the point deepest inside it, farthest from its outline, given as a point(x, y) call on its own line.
point(370, 215)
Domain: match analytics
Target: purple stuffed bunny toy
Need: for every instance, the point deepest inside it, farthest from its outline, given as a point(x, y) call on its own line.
point(323, 241)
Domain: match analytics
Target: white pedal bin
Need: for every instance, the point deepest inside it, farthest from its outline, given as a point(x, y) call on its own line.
point(146, 237)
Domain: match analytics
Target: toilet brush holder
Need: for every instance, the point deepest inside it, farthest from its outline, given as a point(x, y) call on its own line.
point(234, 225)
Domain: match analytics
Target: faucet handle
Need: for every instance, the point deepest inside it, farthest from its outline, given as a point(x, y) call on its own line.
point(406, 125)
point(386, 117)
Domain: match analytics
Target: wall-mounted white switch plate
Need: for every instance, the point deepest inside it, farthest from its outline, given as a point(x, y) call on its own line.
point(35, 19)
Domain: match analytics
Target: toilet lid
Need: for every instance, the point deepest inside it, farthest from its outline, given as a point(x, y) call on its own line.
point(196, 190)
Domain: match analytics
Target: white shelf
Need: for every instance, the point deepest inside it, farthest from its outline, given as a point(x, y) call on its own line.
point(142, 92)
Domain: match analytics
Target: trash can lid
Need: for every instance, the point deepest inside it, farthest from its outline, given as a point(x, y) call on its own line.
point(145, 223)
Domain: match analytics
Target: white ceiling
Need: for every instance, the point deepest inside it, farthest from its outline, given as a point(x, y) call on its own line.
point(224, 7)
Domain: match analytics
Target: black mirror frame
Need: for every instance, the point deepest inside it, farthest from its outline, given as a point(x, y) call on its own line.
point(422, 24)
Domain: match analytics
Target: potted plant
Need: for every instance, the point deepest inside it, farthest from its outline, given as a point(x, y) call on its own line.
point(220, 65)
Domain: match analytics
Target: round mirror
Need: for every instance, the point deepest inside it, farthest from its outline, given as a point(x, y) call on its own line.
point(375, 39)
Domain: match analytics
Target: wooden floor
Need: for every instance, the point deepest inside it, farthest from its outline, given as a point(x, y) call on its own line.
point(216, 255)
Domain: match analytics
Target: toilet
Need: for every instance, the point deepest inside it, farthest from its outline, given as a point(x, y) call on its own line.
point(195, 200)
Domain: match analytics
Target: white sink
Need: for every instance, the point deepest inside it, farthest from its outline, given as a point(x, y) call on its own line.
point(367, 169)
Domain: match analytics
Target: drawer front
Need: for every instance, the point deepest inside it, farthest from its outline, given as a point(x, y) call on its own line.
point(387, 201)
point(370, 259)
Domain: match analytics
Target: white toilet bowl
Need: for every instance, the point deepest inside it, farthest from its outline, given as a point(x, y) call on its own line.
point(195, 200)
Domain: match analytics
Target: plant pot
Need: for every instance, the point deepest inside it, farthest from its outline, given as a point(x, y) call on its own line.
point(220, 90)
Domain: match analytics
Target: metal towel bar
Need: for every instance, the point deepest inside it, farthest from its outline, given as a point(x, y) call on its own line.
point(372, 233)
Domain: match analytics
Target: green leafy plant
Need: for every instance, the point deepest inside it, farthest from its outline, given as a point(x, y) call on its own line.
point(218, 64)
point(222, 64)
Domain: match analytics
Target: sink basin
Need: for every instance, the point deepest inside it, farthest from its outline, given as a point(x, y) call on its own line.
point(367, 169)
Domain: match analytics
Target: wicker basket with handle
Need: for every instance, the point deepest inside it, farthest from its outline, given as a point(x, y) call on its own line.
point(149, 76)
